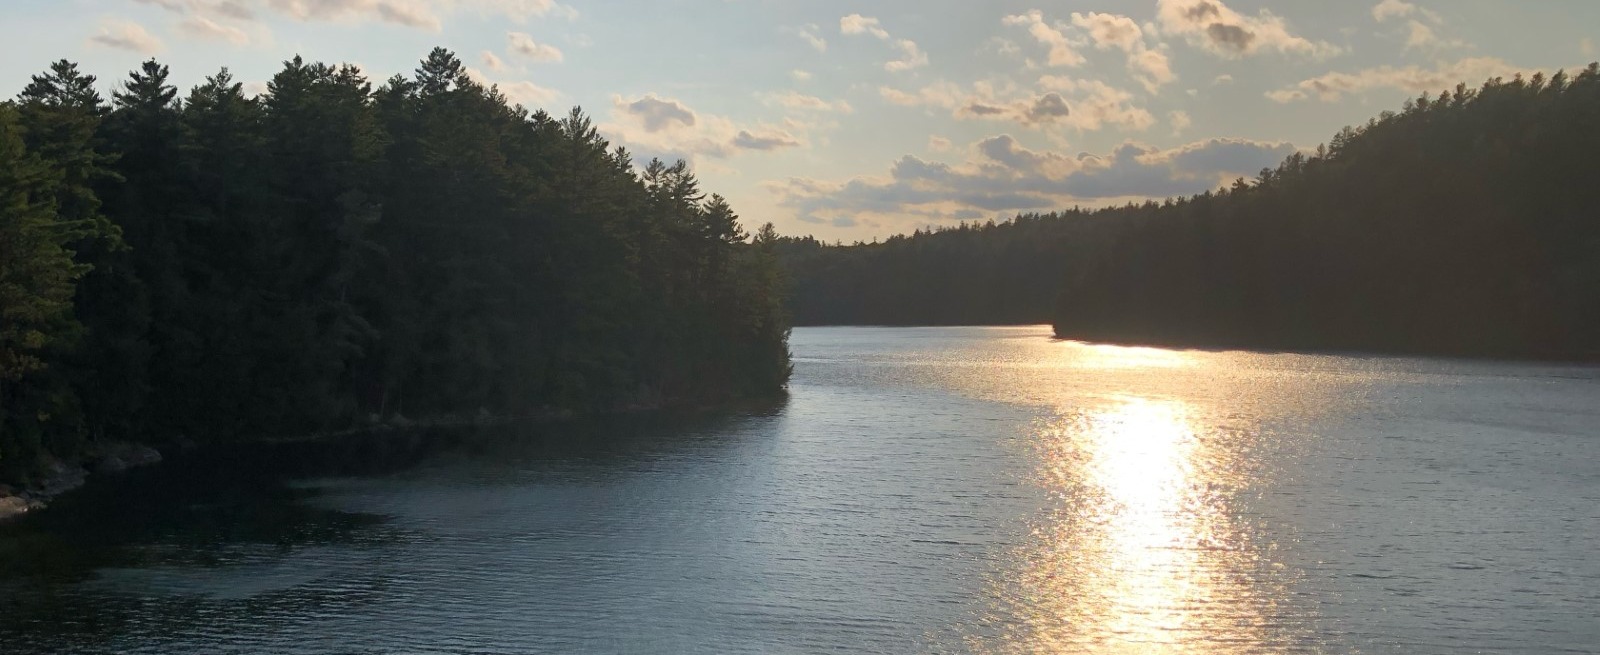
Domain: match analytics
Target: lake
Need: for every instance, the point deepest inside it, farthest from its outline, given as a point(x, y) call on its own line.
point(932, 490)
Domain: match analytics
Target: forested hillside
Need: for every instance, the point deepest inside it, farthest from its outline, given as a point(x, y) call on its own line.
point(1467, 223)
point(213, 266)
point(988, 274)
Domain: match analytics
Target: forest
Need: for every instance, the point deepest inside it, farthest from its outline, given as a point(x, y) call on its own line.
point(1467, 223)
point(331, 254)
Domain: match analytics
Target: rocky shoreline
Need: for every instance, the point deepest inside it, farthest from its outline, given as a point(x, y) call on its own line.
point(61, 477)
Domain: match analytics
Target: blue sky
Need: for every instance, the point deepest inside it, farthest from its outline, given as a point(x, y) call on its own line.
point(854, 120)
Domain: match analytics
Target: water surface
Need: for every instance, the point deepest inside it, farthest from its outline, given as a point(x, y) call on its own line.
point(982, 490)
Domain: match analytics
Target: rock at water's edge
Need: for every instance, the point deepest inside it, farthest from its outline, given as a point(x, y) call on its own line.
point(126, 456)
point(61, 477)
point(12, 506)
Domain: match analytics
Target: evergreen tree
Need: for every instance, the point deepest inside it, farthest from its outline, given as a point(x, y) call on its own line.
point(329, 254)
point(1463, 224)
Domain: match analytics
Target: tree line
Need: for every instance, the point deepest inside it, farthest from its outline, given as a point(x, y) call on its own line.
point(217, 266)
point(1468, 223)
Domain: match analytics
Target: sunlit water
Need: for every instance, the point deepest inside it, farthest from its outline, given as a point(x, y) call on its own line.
point(922, 490)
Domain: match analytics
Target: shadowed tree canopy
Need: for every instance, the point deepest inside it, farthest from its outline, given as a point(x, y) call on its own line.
point(212, 266)
point(1467, 223)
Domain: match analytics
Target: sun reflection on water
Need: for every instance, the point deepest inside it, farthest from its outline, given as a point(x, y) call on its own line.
point(1143, 553)
point(1107, 356)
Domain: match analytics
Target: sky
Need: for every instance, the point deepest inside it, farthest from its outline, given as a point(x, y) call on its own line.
point(854, 120)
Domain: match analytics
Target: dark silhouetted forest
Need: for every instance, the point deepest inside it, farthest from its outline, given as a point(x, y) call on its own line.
point(214, 266)
point(1467, 223)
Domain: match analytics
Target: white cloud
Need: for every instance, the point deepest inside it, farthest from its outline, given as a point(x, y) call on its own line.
point(657, 114)
point(1180, 121)
point(1222, 79)
point(1392, 9)
point(1085, 105)
point(1420, 36)
point(938, 94)
point(421, 14)
point(1211, 25)
point(771, 140)
point(800, 101)
point(1150, 67)
point(808, 33)
point(201, 27)
point(520, 10)
point(228, 9)
point(169, 5)
point(1048, 108)
point(1097, 105)
point(492, 61)
point(656, 126)
point(1002, 175)
point(127, 35)
point(800, 75)
point(1411, 79)
point(521, 92)
point(234, 9)
point(858, 24)
point(410, 13)
point(1062, 53)
point(910, 55)
point(1002, 46)
point(528, 94)
point(938, 143)
point(524, 45)
point(1110, 30)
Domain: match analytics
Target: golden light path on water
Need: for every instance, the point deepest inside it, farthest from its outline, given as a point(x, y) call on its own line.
point(1143, 552)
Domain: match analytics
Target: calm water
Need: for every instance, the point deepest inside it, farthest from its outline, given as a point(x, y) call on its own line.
point(922, 490)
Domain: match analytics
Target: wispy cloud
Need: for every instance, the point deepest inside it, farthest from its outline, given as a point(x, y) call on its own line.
point(1393, 9)
point(1333, 86)
point(524, 45)
point(201, 27)
point(1062, 52)
point(911, 56)
point(658, 126)
point(1002, 175)
point(127, 35)
point(409, 13)
point(1086, 105)
point(810, 34)
point(799, 101)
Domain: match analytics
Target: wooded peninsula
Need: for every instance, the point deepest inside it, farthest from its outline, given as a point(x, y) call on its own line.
point(1468, 223)
point(328, 255)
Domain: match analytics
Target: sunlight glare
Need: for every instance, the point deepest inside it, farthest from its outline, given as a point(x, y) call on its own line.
point(1112, 357)
point(1142, 556)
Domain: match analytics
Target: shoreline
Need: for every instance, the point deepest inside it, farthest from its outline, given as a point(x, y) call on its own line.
point(1203, 345)
point(64, 477)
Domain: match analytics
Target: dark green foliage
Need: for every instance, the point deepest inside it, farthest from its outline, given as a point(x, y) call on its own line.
point(329, 254)
point(37, 279)
point(990, 274)
point(1465, 224)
